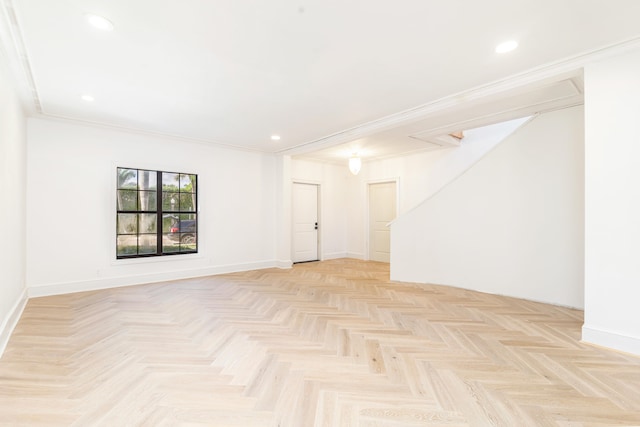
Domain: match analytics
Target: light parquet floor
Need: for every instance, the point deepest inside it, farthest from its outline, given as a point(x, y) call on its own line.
point(323, 344)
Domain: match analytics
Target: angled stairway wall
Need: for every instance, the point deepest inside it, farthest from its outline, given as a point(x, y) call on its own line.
point(513, 224)
point(418, 175)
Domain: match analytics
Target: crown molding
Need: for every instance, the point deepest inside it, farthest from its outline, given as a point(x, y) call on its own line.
point(13, 48)
point(565, 68)
point(118, 128)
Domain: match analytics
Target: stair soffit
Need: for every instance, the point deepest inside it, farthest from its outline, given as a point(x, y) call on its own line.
point(430, 131)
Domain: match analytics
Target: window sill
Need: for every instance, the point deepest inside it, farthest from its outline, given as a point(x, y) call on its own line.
point(154, 259)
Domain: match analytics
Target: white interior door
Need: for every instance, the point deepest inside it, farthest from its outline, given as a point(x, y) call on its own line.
point(382, 210)
point(305, 222)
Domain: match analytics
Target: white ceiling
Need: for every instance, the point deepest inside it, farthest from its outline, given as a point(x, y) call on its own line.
point(371, 73)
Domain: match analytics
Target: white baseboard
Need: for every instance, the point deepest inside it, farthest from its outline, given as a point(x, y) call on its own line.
point(11, 320)
point(612, 340)
point(49, 289)
point(356, 255)
point(334, 255)
point(284, 263)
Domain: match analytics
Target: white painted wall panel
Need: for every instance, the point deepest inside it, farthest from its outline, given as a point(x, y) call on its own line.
point(71, 206)
point(13, 175)
point(511, 225)
point(612, 229)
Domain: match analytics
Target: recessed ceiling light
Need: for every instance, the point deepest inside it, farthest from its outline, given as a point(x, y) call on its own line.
point(100, 22)
point(87, 98)
point(275, 137)
point(507, 46)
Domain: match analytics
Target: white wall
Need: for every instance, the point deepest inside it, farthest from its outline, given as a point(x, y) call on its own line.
point(419, 176)
point(511, 225)
point(71, 207)
point(333, 200)
point(13, 176)
point(283, 212)
point(612, 229)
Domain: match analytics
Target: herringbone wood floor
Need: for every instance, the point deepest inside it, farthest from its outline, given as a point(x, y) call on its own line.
point(323, 344)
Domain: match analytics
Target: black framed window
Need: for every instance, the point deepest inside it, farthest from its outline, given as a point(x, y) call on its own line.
point(156, 213)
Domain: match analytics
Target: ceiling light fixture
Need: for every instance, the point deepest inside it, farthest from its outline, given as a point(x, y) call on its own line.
point(275, 137)
point(100, 22)
point(355, 163)
point(507, 46)
point(87, 98)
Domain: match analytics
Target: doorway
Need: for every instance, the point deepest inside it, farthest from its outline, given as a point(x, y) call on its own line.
point(305, 222)
point(382, 210)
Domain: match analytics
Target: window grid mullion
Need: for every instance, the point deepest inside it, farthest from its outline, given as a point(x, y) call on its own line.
point(159, 214)
point(159, 217)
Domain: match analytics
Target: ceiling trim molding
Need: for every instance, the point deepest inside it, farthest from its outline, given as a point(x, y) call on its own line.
point(18, 59)
point(145, 132)
point(542, 106)
point(568, 66)
point(494, 118)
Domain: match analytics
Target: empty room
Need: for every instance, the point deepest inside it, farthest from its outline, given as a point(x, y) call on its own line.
point(312, 213)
